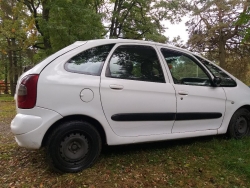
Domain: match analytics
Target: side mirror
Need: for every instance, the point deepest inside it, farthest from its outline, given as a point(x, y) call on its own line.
point(217, 81)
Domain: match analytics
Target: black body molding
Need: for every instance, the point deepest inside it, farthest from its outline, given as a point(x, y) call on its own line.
point(165, 116)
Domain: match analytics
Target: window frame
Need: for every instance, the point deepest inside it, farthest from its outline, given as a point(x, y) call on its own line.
point(162, 66)
point(218, 67)
point(193, 58)
point(102, 63)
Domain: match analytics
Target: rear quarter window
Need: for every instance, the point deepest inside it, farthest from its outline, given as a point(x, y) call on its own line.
point(90, 61)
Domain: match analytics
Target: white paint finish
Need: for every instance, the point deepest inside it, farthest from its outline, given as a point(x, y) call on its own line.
point(59, 96)
point(25, 123)
point(64, 88)
point(115, 140)
point(87, 95)
point(131, 96)
point(192, 98)
point(29, 140)
point(31, 128)
point(240, 95)
point(137, 97)
point(199, 99)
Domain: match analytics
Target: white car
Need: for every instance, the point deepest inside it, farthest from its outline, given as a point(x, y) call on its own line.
point(117, 91)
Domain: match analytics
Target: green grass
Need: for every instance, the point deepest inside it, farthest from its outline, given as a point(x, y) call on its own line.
point(199, 162)
point(5, 97)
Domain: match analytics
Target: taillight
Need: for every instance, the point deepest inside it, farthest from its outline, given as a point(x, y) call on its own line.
point(27, 91)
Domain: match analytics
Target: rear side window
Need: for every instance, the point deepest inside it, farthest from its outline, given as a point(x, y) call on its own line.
point(135, 62)
point(89, 61)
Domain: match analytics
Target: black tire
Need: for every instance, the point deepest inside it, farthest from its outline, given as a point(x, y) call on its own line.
point(239, 125)
point(73, 146)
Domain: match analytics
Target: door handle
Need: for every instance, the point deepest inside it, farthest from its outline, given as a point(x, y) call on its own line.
point(183, 93)
point(116, 87)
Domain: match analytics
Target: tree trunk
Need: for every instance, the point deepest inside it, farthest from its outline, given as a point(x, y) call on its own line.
point(14, 59)
point(114, 17)
point(5, 75)
point(45, 16)
point(12, 90)
point(222, 53)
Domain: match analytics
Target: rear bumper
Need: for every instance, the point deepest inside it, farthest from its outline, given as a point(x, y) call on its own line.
point(29, 126)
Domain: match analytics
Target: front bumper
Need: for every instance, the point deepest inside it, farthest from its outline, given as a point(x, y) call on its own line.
point(29, 126)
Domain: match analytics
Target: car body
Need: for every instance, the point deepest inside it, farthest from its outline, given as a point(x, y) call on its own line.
point(118, 91)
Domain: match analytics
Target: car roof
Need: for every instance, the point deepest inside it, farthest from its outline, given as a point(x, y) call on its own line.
point(107, 41)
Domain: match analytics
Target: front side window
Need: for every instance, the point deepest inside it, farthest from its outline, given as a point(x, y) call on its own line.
point(135, 62)
point(89, 61)
point(184, 69)
point(226, 81)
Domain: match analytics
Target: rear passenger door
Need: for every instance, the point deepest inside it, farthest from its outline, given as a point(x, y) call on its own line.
point(136, 95)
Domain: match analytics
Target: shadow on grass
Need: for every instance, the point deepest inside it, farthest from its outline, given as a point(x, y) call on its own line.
point(37, 158)
point(151, 146)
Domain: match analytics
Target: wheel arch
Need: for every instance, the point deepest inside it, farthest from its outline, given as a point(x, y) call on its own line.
point(234, 131)
point(91, 120)
point(245, 106)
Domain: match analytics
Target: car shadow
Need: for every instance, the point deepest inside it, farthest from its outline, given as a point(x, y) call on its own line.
point(130, 148)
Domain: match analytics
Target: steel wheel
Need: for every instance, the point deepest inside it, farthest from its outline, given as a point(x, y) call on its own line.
point(239, 125)
point(73, 146)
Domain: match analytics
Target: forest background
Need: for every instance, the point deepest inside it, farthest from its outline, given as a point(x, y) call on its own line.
point(31, 30)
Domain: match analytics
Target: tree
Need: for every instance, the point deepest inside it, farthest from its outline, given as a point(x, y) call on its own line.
point(15, 36)
point(62, 22)
point(141, 19)
point(214, 30)
point(245, 19)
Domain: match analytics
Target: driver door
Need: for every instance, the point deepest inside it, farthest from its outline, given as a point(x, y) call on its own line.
point(200, 106)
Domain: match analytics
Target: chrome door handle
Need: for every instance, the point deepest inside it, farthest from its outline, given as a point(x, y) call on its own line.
point(116, 87)
point(183, 93)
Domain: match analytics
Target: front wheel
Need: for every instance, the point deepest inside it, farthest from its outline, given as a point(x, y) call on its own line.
point(239, 125)
point(73, 146)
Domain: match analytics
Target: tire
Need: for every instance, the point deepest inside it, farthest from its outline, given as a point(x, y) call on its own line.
point(239, 125)
point(73, 146)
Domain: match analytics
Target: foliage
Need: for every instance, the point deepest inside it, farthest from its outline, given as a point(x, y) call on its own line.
point(141, 19)
point(244, 18)
point(84, 23)
point(198, 162)
point(34, 29)
point(62, 22)
point(214, 30)
point(16, 36)
point(176, 41)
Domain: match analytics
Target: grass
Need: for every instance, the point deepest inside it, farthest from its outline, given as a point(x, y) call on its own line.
point(199, 162)
point(5, 97)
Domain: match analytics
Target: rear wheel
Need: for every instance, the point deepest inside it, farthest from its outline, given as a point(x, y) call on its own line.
point(73, 146)
point(239, 125)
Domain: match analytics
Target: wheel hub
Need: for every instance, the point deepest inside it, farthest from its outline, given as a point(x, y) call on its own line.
point(74, 147)
point(241, 125)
